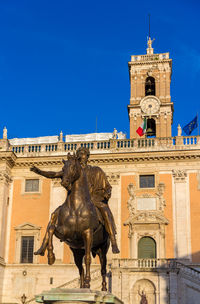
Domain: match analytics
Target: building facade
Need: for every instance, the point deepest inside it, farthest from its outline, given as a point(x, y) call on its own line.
point(155, 198)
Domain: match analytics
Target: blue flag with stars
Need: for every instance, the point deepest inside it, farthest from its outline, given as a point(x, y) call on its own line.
point(191, 126)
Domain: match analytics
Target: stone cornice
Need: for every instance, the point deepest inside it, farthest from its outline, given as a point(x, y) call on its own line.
point(115, 157)
point(151, 61)
point(8, 157)
point(137, 105)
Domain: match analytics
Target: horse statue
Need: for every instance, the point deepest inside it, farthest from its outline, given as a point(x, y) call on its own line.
point(78, 224)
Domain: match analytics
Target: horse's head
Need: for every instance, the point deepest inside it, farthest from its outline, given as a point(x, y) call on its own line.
point(71, 171)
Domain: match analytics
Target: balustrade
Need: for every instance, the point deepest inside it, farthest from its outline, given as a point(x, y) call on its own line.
point(119, 145)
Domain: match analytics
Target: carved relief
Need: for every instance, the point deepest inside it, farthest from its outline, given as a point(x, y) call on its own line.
point(158, 205)
point(131, 204)
point(161, 190)
point(179, 175)
point(146, 218)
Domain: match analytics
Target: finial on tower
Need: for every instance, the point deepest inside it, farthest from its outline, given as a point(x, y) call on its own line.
point(5, 133)
point(61, 136)
point(149, 41)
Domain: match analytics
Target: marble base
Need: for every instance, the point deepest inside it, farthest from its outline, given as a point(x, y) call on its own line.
point(76, 296)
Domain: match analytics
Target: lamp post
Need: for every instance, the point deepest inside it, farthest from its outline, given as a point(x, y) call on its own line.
point(23, 299)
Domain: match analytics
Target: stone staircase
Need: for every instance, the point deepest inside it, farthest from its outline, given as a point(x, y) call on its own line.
point(95, 281)
point(75, 283)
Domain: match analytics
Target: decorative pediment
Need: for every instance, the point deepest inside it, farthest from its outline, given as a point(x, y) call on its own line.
point(27, 226)
point(147, 217)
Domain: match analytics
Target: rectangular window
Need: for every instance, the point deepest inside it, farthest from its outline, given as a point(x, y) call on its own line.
point(27, 244)
point(147, 181)
point(32, 185)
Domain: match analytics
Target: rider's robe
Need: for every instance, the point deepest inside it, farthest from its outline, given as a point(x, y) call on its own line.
point(99, 187)
point(100, 190)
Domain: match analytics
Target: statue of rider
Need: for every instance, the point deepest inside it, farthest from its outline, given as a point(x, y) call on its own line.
point(100, 192)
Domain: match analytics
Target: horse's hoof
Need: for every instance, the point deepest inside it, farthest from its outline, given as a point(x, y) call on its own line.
point(51, 258)
point(103, 288)
point(86, 284)
point(39, 252)
point(115, 249)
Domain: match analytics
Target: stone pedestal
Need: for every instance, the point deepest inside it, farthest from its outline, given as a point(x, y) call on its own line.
point(76, 296)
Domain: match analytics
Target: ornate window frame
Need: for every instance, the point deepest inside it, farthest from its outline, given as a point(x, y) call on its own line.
point(29, 192)
point(26, 229)
point(149, 223)
point(156, 180)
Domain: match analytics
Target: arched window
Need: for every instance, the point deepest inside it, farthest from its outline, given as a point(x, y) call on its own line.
point(150, 87)
point(146, 248)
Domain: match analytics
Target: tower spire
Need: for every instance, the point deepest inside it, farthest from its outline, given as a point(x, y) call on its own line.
point(149, 41)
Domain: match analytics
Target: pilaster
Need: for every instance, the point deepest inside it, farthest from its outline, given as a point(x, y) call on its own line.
point(181, 214)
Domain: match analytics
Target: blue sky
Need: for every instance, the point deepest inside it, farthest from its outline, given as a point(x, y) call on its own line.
point(64, 63)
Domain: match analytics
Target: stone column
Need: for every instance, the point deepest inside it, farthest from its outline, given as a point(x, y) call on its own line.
point(115, 206)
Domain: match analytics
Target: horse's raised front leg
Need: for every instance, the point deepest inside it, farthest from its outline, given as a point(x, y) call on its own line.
point(87, 236)
point(53, 220)
point(78, 259)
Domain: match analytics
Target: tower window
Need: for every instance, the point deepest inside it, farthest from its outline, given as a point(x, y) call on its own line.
point(150, 88)
point(146, 248)
point(27, 243)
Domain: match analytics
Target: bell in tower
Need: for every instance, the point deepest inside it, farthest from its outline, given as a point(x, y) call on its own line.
point(150, 86)
point(151, 127)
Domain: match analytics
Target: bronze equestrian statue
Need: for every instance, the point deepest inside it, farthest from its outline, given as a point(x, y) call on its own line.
point(84, 221)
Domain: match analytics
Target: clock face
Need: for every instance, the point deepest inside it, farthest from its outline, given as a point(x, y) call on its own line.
point(150, 105)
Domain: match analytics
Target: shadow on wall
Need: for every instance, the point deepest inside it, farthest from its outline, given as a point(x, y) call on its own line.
point(153, 281)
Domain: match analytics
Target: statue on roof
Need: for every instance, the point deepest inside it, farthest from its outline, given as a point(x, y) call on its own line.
point(149, 45)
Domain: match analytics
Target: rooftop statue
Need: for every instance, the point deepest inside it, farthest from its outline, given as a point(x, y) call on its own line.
point(84, 221)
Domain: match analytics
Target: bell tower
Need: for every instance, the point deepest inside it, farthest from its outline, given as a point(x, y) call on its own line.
point(150, 78)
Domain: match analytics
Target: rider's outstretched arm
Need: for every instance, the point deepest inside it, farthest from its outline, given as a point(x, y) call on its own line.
point(48, 174)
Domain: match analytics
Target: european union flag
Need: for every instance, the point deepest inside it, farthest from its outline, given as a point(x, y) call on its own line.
point(191, 126)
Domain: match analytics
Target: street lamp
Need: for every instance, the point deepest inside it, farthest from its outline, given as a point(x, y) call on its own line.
point(23, 299)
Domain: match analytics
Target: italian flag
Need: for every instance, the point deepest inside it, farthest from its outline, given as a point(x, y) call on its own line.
point(142, 128)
